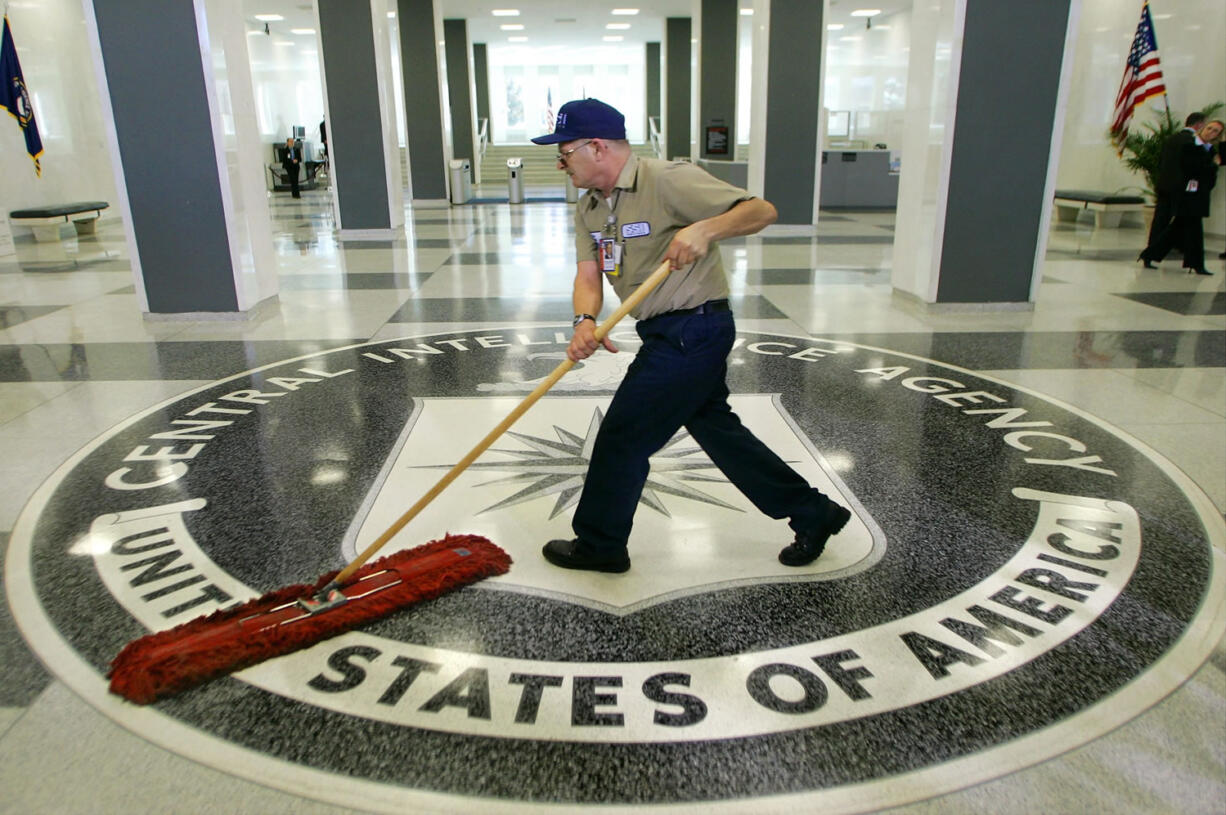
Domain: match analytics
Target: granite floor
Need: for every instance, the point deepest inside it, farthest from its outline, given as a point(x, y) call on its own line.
point(1024, 615)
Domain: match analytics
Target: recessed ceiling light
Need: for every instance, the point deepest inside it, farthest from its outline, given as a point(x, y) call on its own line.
point(505, 12)
point(1162, 16)
point(617, 26)
point(881, 27)
point(835, 27)
point(627, 11)
point(284, 43)
point(252, 32)
point(852, 38)
point(269, 18)
point(391, 15)
point(512, 27)
point(302, 31)
point(746, 12)
point(866, 12)
point(614, 39)
point(517, 39)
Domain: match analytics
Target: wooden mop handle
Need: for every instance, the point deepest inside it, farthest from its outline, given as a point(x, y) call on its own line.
point(602, 331)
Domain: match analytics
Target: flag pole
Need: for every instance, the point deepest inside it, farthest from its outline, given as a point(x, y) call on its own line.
point(1166, 99)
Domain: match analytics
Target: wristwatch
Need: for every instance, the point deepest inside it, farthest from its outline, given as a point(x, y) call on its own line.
point(580, 318)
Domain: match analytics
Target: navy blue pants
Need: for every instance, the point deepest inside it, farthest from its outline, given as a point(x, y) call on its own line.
point(676, 380)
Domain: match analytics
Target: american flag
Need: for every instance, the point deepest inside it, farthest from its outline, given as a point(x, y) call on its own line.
point(1142, 77)
point(548, 118)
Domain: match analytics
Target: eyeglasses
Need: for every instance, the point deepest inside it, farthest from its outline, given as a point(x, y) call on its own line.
point(563, 155)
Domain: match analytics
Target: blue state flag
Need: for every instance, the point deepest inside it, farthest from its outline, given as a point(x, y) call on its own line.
point(15, 98)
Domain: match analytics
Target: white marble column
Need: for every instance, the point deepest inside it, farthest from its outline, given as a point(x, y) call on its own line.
point(241, 152)
point(932, 92)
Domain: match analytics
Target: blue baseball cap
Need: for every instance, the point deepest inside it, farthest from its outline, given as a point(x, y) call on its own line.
point(585, 119)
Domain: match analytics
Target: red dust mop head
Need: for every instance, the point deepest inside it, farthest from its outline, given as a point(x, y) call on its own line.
point(291, 618)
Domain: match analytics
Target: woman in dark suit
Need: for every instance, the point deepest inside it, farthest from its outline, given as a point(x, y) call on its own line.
point(1198, 173)
point(1221, 159)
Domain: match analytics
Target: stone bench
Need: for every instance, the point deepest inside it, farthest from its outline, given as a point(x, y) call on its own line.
point(1108, 208)
point(46, 221)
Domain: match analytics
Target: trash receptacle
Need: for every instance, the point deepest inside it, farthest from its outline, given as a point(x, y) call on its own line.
point(461, 181)
point(515, 180)
point(572, 194)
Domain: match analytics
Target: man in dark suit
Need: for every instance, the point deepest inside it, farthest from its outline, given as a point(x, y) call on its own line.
point(1198, 173)
point(1168, 184)
point(290, 162)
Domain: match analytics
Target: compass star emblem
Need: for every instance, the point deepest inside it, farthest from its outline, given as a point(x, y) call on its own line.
point(559, 467)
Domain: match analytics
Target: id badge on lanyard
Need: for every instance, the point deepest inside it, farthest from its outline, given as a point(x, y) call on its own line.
point(608, 250)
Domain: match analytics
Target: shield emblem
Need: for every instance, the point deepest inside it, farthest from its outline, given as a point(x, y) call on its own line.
point(693, 531)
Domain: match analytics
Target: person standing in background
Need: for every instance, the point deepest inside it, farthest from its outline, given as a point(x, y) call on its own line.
point(1221, 159)
point(291, 162)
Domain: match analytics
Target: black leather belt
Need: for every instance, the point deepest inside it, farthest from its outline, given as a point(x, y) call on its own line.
point(709, 307)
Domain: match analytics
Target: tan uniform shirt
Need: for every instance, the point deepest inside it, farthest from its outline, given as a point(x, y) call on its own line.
point(652, 201)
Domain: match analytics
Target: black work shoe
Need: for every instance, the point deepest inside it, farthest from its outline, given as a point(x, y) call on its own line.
point(809, 544)
point(575, 554)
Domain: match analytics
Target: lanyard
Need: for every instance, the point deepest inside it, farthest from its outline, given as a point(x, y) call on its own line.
point(609, 247)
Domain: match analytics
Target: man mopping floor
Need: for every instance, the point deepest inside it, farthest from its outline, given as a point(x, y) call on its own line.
point(636, 214)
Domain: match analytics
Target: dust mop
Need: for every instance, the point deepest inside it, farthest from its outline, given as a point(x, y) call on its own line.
point(294, 617)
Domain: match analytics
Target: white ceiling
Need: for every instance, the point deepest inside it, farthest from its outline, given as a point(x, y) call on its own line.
point(572, 23)
point(577, 23)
